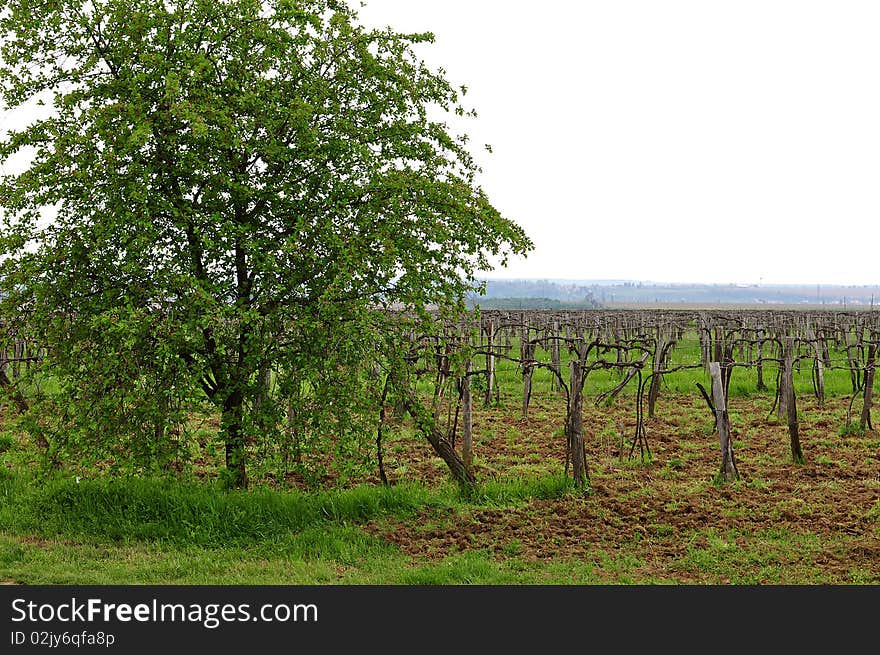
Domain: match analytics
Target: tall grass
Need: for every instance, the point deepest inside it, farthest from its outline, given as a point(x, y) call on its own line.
point(147, 510)
point(136, 509)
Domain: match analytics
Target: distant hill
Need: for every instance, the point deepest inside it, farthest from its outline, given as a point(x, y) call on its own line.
point(585, 294)
point(645, 293)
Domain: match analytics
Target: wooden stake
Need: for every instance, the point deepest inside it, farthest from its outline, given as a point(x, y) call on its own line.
point(722, 421)
point(797, 454)
point(467, 439)
point(576, 426)
point(865, 423)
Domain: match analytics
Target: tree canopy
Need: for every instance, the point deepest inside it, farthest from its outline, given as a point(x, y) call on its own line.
point(239, 191)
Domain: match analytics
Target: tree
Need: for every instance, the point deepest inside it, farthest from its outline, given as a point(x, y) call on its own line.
point(240, 189)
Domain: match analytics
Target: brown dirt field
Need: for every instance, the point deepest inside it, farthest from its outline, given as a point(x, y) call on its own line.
point(665, 519)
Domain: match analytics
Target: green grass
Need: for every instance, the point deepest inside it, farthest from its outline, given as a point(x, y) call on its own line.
point(7, 442)
point(317, 555)
point(132, 510)
point(514, 490)
point(767, 557)
point(139, 531)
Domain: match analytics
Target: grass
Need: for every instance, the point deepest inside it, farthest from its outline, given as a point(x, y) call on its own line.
point(154, 532)
point(776, 556)
point(144, 510)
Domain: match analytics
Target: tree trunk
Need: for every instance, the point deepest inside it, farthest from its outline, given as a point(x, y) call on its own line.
point(21, 404)
point(382, 476)
point(233, 435)
point(438, 441)
point(820, 381)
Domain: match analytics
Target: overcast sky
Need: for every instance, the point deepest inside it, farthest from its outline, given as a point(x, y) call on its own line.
point(669, 140)
point(673, 140)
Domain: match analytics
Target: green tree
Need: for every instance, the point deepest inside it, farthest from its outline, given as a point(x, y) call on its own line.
point(239, 190)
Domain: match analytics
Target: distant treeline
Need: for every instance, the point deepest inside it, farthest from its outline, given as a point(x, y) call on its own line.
point(534, 294)
point(528, 303)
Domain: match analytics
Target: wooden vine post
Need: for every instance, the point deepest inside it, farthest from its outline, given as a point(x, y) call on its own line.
point(528, 369)
point(705, 337)
point(657, 376)
point(575, 425)
point(818, 367)
point(467, 425)
point(490, 361)
point(760, 363)
point(865, 422)
point(554, 357)
point(853, 369)
point(797, 454)
point(781, 387)
point(722, 421)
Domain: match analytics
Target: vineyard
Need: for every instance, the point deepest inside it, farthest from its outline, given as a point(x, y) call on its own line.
point(645, 351)
point(718, 446)
point(595, 355)
point(620, 446)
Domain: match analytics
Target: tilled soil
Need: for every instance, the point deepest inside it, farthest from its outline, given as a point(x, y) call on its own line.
point(665, 518)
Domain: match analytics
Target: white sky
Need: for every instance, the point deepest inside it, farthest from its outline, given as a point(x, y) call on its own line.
point(674, 140)
point(670, 140)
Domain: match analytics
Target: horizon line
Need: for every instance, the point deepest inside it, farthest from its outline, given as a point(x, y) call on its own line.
point(667, 283)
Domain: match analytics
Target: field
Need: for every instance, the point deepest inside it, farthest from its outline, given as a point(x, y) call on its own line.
point(661, 518)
